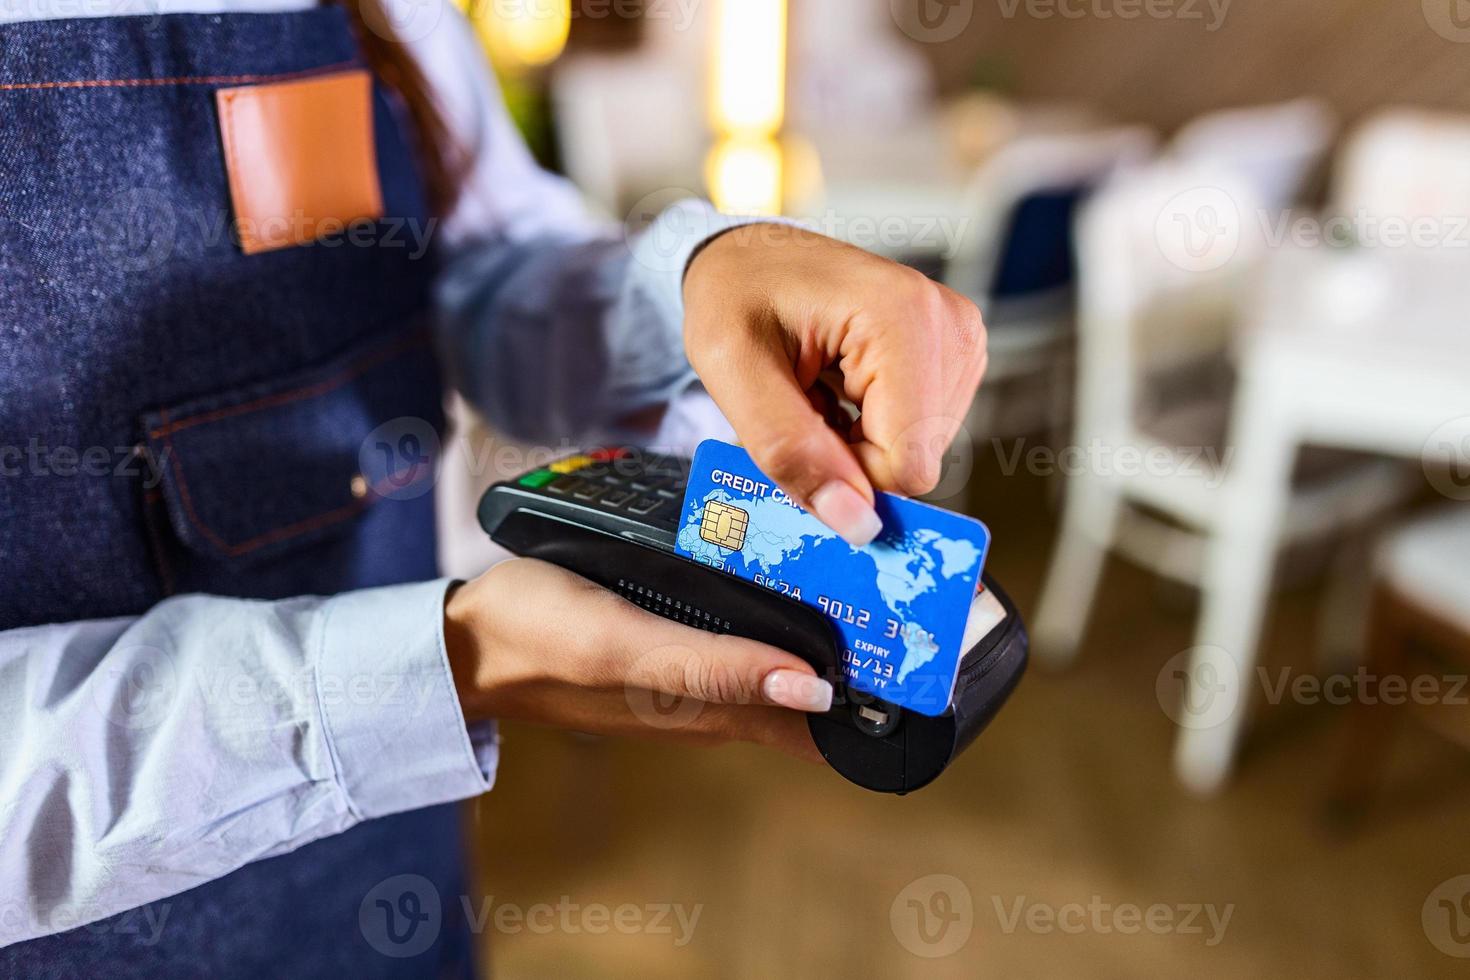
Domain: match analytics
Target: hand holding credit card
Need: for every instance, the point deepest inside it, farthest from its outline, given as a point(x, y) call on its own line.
point(899, 604)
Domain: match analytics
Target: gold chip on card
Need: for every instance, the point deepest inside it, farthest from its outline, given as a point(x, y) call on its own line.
point(724, 525)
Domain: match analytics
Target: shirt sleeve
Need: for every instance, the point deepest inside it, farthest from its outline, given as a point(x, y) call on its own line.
point(556, 324)
point(561, 337)
point(142, 757)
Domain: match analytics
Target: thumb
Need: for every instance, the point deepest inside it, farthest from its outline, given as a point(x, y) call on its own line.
point(729, 670)
point(790, 441)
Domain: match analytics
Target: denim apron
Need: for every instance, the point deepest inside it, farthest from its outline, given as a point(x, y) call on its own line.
point(182, 417)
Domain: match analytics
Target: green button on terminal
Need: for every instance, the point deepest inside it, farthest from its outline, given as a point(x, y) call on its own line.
point(538, 479)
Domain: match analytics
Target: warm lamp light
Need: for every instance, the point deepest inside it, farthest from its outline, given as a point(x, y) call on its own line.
point(749, 90)
point(522, 33)
point(745, 169)
point(745, 176)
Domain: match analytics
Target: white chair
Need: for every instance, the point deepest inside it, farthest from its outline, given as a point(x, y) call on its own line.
point(1273, 148)
point(1167, 258)
point(1015, 259)
point(1420, 628)
point(1427, 564)
point(1405, 164)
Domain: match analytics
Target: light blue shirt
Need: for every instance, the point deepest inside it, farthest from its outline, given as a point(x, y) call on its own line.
point(141, 757)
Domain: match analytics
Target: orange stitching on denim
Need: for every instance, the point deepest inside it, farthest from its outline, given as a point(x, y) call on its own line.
point(261, 540)
point(84, 83)
point(359, 367)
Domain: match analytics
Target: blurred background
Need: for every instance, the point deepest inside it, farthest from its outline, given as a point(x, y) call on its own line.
point(1223, 448)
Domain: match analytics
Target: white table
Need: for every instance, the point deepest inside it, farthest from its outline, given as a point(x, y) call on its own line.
point(900, 195)
point(1367, 350)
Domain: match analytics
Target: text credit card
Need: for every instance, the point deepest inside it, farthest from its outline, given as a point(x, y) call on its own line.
point(900, 604)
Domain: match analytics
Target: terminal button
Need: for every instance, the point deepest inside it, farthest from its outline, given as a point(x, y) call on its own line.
point(571, 464)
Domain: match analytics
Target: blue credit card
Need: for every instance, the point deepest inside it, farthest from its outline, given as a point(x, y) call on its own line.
point(899, 604)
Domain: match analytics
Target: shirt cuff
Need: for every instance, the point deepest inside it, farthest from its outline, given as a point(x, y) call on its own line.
point(394, 727)
point(663, 251)
point(661, 255)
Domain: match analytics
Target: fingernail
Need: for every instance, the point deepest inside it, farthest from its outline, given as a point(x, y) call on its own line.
point(796, 690)
point(844, 510)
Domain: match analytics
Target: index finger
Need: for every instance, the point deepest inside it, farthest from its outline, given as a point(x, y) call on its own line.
point(755, 385)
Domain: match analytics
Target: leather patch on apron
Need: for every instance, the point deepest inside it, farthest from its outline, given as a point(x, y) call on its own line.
point(300, 157)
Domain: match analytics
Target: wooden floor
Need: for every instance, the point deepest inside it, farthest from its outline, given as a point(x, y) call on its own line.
point(1066, 805)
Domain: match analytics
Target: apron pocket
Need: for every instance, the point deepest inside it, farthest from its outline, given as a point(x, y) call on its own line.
point(253, 473)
